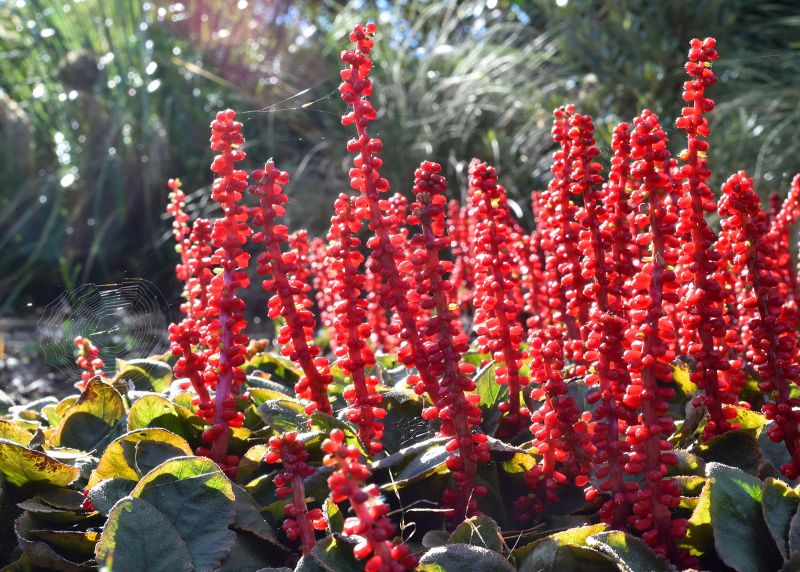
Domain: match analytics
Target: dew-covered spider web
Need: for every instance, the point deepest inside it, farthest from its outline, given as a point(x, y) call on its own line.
point(126, 320)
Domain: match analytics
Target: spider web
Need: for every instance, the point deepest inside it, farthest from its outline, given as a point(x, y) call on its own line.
point(125, 321)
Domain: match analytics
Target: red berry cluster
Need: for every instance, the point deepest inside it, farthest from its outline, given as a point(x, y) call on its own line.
point(773, 346)
point(560, 430)
point(351, 325)
point(226, 337)
point(446, 343)
point(370, 521)
point(290, 301)
point(387, 245)
point(300, 522)
point(89, 361)
point(496, 298)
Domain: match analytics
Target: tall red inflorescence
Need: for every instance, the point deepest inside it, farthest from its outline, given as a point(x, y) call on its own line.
point(88, 360)
point(180, 228)
point(351, 325)
point(560, 430)
point(321, 280)
point(649, 341)
point(301, 246)
point(773, 346)
point(560, 243)
point(226, 338)
point(284, 275)
point(604, 234)
point(620, 211)
point(460, 230)
point(497, 312)
point(780, 232)
point(300, 522)
point(702, 306)
point(387, 244)
point(446, 343)
point(370, 521)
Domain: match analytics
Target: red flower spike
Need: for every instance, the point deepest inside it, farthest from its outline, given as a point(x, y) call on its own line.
point(562, 264)
point(351, 325)
point(460, 228)
point(560, 431)
point(322, 279)
point(387, 245)
point(370, 522)
point(702, 304)
point(180, 227)
point(780, 233)
point(605, 234)
point(534, 284)
point(497, 290)
point(300, 522)
point(89, 361)
point(300, 245)
point(226, 338)
point(773, 346)
point(287, 278)
point(446, 342)
point(648, 343)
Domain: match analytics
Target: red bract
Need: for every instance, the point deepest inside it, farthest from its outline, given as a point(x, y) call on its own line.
point(300, 522)
point(604, 233)
point(446, 343)
point(559, 429)
point(702, 305)
point(284, 273)
point(88, 360)
point(773, 346)
point(387, 244)
point(351, 325)
point(497, 313)
point(226, 339)
point(370, 521)
point(648, 341)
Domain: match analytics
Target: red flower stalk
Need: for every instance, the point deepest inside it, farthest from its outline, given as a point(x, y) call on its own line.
point(88, 360)
point(300, 522)
point(446, 343)
point(534, 284)
point(387, 245)
point(780, 233)
point(180, 227)
point(370, 521)
point(620, 213)
point(648, 343)
point(773, 347)
point(460, 230)
point(562, 265)
point(604, 233)
point(560, 431)
point(378, 316)
point(185, 341)
point(497, 313)
point(702, 305)
point(290, 301)
point(299, 244)
point(199, 271)
point(322, 279)
point(351, 325)
point(227, 340)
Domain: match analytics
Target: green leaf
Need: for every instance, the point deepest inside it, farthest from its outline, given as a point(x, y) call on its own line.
point(41, 553)
point(779, 504)
point(261, 394)
point(105, 494)
point(421, 466)
point(737, 448)
point(794, 534)
point(248, 554)
point(10, 431)
point(773, 454)
point(478, 531)
point(139, 537)
point(331, 554)
point(566, 550)
point(198, 499)
point(76, 542)
point(157, 411)
point(283, 414)
point(628, 552)
point(748, 419)
point(277, 366)
point(90, 420)
point(741, 536)
point(247, 517)
point(462, 557)
point(699, 537)
point(22, 466)
point(119, 458)
point(333, 516)
point(145, 374)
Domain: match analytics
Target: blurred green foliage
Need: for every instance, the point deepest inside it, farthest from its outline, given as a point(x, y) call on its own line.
point(101, 102)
